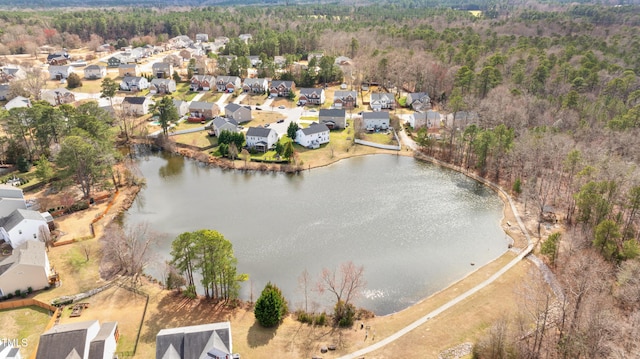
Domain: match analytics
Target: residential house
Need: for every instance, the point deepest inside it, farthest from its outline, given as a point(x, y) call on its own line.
point(261, 138)
point(279, 61)
point(136, 105)
point(237, 112)
point(4, 92)
point(419, 101)
point(333, 118)
point(116, 61)
point(373, 121)
point(59, 72)
point(345, 99)
point(202, 82)
point(128, 70)
point(382, 101)
point(313, 136)
point(220, 124)
point(11, 198)
point(282, 88)
point(245, 37)
point(255, 85)
point(27, 267)
point(138, 53)
point(202, 37)
point(228, 83)
point(162, 86)
point(162, 70)
point(182, 107)
point(17, 102)
point(195, 342)
point(461, 119)
point(80, 340)
point(23, 225)
point(180, 42)
point(254, 60)
point(58, 96)
point(104, 48)
point(428, 119)
point(10, 350)
point(93, 72)
point(10, 73)
point(58, 58)
point(311, 96)
point(134, 83)
point(201, 65)
point(174, 60)
point(200, 110)
point(188, 53)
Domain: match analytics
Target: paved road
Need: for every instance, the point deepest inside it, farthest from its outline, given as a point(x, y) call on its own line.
point(463, 296)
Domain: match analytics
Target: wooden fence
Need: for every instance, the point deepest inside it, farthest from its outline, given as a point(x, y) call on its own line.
point(28, 302)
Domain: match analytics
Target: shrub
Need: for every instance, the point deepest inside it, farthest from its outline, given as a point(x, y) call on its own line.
point(271, 307)
point(24, 294)
point(74, 81)
point(344, 314)
point(18, 291)
point(30, 290)
point(10, 295)
point(190, 292)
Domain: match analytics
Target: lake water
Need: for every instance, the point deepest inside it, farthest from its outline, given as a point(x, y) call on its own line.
point(415, 227)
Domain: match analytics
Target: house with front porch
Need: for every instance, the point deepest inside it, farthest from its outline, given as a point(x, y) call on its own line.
point(345, 99)
point(202, 82)
point(373, 121)
point(162, 86)
point(94, 72)
point(136, 105)
point(261, 139)
point(382, 101)
point(237, 112)
point(200, 111)
point(59, 72)
point(128, 70)
point(134, 83)
point(228, 83)
point(282, 88)
point(220, 124)
point(311, 96)
point(255, 86)
point(334, 118)
point(313, 136)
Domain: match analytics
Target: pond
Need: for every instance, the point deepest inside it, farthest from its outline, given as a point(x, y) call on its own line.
point(415, 227)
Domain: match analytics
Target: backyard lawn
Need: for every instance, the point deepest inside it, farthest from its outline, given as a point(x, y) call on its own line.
point(254, 100)
point(199, 139)
point(26, 323)
point(380, 137)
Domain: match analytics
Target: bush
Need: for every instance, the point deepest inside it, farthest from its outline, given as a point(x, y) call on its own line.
point(271, 307)
point(10, 295)
point(29, 290)
point(18, 291)
point(74, 81)
point(314, 319)
point(24, 294)
point(78, 206)
point(344, 314)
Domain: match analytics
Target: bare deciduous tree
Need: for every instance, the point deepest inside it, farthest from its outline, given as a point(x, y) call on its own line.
point(128, 250)
point(344, 283)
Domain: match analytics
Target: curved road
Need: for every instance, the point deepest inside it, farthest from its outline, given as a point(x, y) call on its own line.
point(359, 354)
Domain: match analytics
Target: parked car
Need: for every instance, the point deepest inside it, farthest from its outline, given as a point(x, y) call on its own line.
point(267, 125)
point(281, 120)
point(258, 108)
point(281, 107)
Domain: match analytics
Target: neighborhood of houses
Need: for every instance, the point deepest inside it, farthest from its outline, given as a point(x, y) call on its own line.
point(25, 233)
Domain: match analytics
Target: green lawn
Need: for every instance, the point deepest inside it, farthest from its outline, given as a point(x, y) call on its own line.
point(380, 137)
point(24, 323)
point(200, 139)
point(211, 96)
point(183, 93)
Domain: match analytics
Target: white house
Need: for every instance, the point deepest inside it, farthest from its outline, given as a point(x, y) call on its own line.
point(58, 96)
point(17, 102)
point(198, 341)
point(134, 83)
point(59, 72)
point(93, 72)
point(11, 198)
point(313, 136)
point(27, 267)
point(429, 119)
point(261, 139)
point(382, 101)
point(137, 105)
point(334, 118)
point(182, 107)
point(375, 120)
point(80, 340)
point(23, 225)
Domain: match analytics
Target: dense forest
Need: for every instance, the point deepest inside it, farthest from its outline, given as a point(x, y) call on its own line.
point(545, 100)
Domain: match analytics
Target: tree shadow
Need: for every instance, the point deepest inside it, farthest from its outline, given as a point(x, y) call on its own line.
point(259, 336)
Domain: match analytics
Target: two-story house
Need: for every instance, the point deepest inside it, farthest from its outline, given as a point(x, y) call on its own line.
point(162, 86)
point(136, 105)
point(313, 136)
point(382, 101)
point(134, 83)
point(261, 139)
point(202, 82)
point(333, 118)
point(373, 121)
point(282, 88)
point(228, 83)
point(125, 70)
point(237, 112)
point(311, 96)
point(345, 99)
point(94, 72)
point(255, 86)
point(162, 70)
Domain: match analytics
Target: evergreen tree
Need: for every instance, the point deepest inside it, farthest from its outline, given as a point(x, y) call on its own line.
point(271, 307)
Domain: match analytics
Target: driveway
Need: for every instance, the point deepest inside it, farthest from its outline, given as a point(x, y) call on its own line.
point(289, 115)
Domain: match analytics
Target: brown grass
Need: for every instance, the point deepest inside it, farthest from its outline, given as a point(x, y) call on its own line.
point(24, 323)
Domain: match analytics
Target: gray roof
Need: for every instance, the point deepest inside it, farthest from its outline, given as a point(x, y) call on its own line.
point(134, 100)
point(232, 107)
point(221, 121)
point(94, 67)
point(7, 191)
point(227, 79)
point(315, 128)
point(381, 96)
point(201, 78)
point(161, 81)
point(18, 101)
point(177, 103)
point(343, 94)
point(255, 81)
point(194, 342)
point(332, 112)
point(96, 347)
point(375, 115)
point(127, 66)
point(287, 84)
point(310, 91)
point(258, 132)
point(64, 341)
point(161, 66)
point(201, 105)
point(31, 253)
point(132, 79)
point(18, 216)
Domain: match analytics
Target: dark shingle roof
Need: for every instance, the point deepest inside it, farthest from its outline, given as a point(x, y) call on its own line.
point(63, 340)
point(18, 216)
point(375, 115)
point(194, 342)
point(232, 107)
point(134, 100)
point(258, 132)
point(96, 347)
point(315, 128)
point(332, 112)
